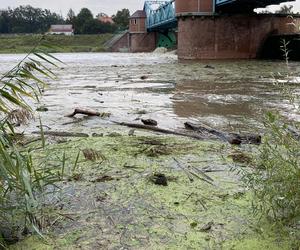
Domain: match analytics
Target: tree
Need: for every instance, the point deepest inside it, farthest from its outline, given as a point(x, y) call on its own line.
point(83, 20)
point(4, 22)
point(26, 19)
point(121, 19)
point(71, 17)
point(106, 27)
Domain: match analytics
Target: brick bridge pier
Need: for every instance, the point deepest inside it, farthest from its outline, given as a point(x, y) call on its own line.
point(204, 34)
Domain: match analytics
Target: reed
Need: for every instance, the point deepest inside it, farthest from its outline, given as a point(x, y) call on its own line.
point(22, 183)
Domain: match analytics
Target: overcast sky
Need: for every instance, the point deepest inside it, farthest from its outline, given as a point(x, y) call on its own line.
point(96, 6)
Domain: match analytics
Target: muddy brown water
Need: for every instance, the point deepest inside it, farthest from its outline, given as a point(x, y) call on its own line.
point(229, 95)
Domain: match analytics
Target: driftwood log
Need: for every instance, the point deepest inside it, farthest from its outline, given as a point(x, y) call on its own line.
point(232, 138)
point(160, 130)
point(84, 112)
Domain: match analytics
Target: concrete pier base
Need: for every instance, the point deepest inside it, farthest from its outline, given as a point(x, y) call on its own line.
point(229, 36)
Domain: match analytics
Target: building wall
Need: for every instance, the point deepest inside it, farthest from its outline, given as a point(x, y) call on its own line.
point(121, 45)
point(137, 25)
point(228, 36)
point(144, 42)
point(193, 6)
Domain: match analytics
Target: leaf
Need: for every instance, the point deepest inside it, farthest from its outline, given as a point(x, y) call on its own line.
point(42, 134)
point(12, 99)
point(44, 58)
point(17, 89)
point(76, 161)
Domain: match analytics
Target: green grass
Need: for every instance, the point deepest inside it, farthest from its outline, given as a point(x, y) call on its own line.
point(61, 43)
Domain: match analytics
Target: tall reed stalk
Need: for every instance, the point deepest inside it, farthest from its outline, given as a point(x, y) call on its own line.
point(21, 181)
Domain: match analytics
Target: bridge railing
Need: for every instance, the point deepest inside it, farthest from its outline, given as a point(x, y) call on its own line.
point(160, 13)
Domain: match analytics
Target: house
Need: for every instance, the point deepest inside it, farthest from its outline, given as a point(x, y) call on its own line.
point(102, 17)
point(61, 29)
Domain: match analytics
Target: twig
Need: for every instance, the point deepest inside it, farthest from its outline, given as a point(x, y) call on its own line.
point(68, 216)
point(62, 133)
point(73, 122)
point(202, 173)
point(189, 173)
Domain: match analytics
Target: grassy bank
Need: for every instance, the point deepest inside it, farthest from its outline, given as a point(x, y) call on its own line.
point(78, 43)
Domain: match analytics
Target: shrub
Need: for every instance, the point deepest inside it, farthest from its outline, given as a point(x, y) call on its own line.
point(275, 180)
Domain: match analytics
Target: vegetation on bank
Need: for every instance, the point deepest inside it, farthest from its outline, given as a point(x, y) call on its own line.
point(60, 43)
point(22, 183)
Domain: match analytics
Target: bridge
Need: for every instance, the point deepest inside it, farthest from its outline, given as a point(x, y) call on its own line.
point(161, 15)
point(207, 29)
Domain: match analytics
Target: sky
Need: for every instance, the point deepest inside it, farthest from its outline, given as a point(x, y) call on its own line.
point(109, 7)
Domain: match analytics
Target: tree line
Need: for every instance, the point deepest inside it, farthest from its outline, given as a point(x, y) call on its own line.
point(27, 19)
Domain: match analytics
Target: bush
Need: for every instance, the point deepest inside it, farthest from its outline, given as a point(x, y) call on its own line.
point(275, 180)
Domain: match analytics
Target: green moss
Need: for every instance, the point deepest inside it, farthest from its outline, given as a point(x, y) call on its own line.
point(32, 243)
point(258, 242)
point(114, 203)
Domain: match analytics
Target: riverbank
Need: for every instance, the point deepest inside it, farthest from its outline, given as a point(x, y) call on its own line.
point(78, 43)
point(147, 191)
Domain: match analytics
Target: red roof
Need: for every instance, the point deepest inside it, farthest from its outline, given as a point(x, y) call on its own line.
point(139, 14)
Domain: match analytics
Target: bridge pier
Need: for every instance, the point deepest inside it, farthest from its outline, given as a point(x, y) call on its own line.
point(228, 36)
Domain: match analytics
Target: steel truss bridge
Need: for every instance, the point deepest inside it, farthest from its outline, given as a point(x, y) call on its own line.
point(161, 15)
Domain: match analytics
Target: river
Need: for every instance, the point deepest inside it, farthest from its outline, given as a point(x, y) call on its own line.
point(228, 95)
point(110, 196)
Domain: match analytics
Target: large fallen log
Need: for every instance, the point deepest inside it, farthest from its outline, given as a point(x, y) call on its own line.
point(232, 138)
point(160, 130)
